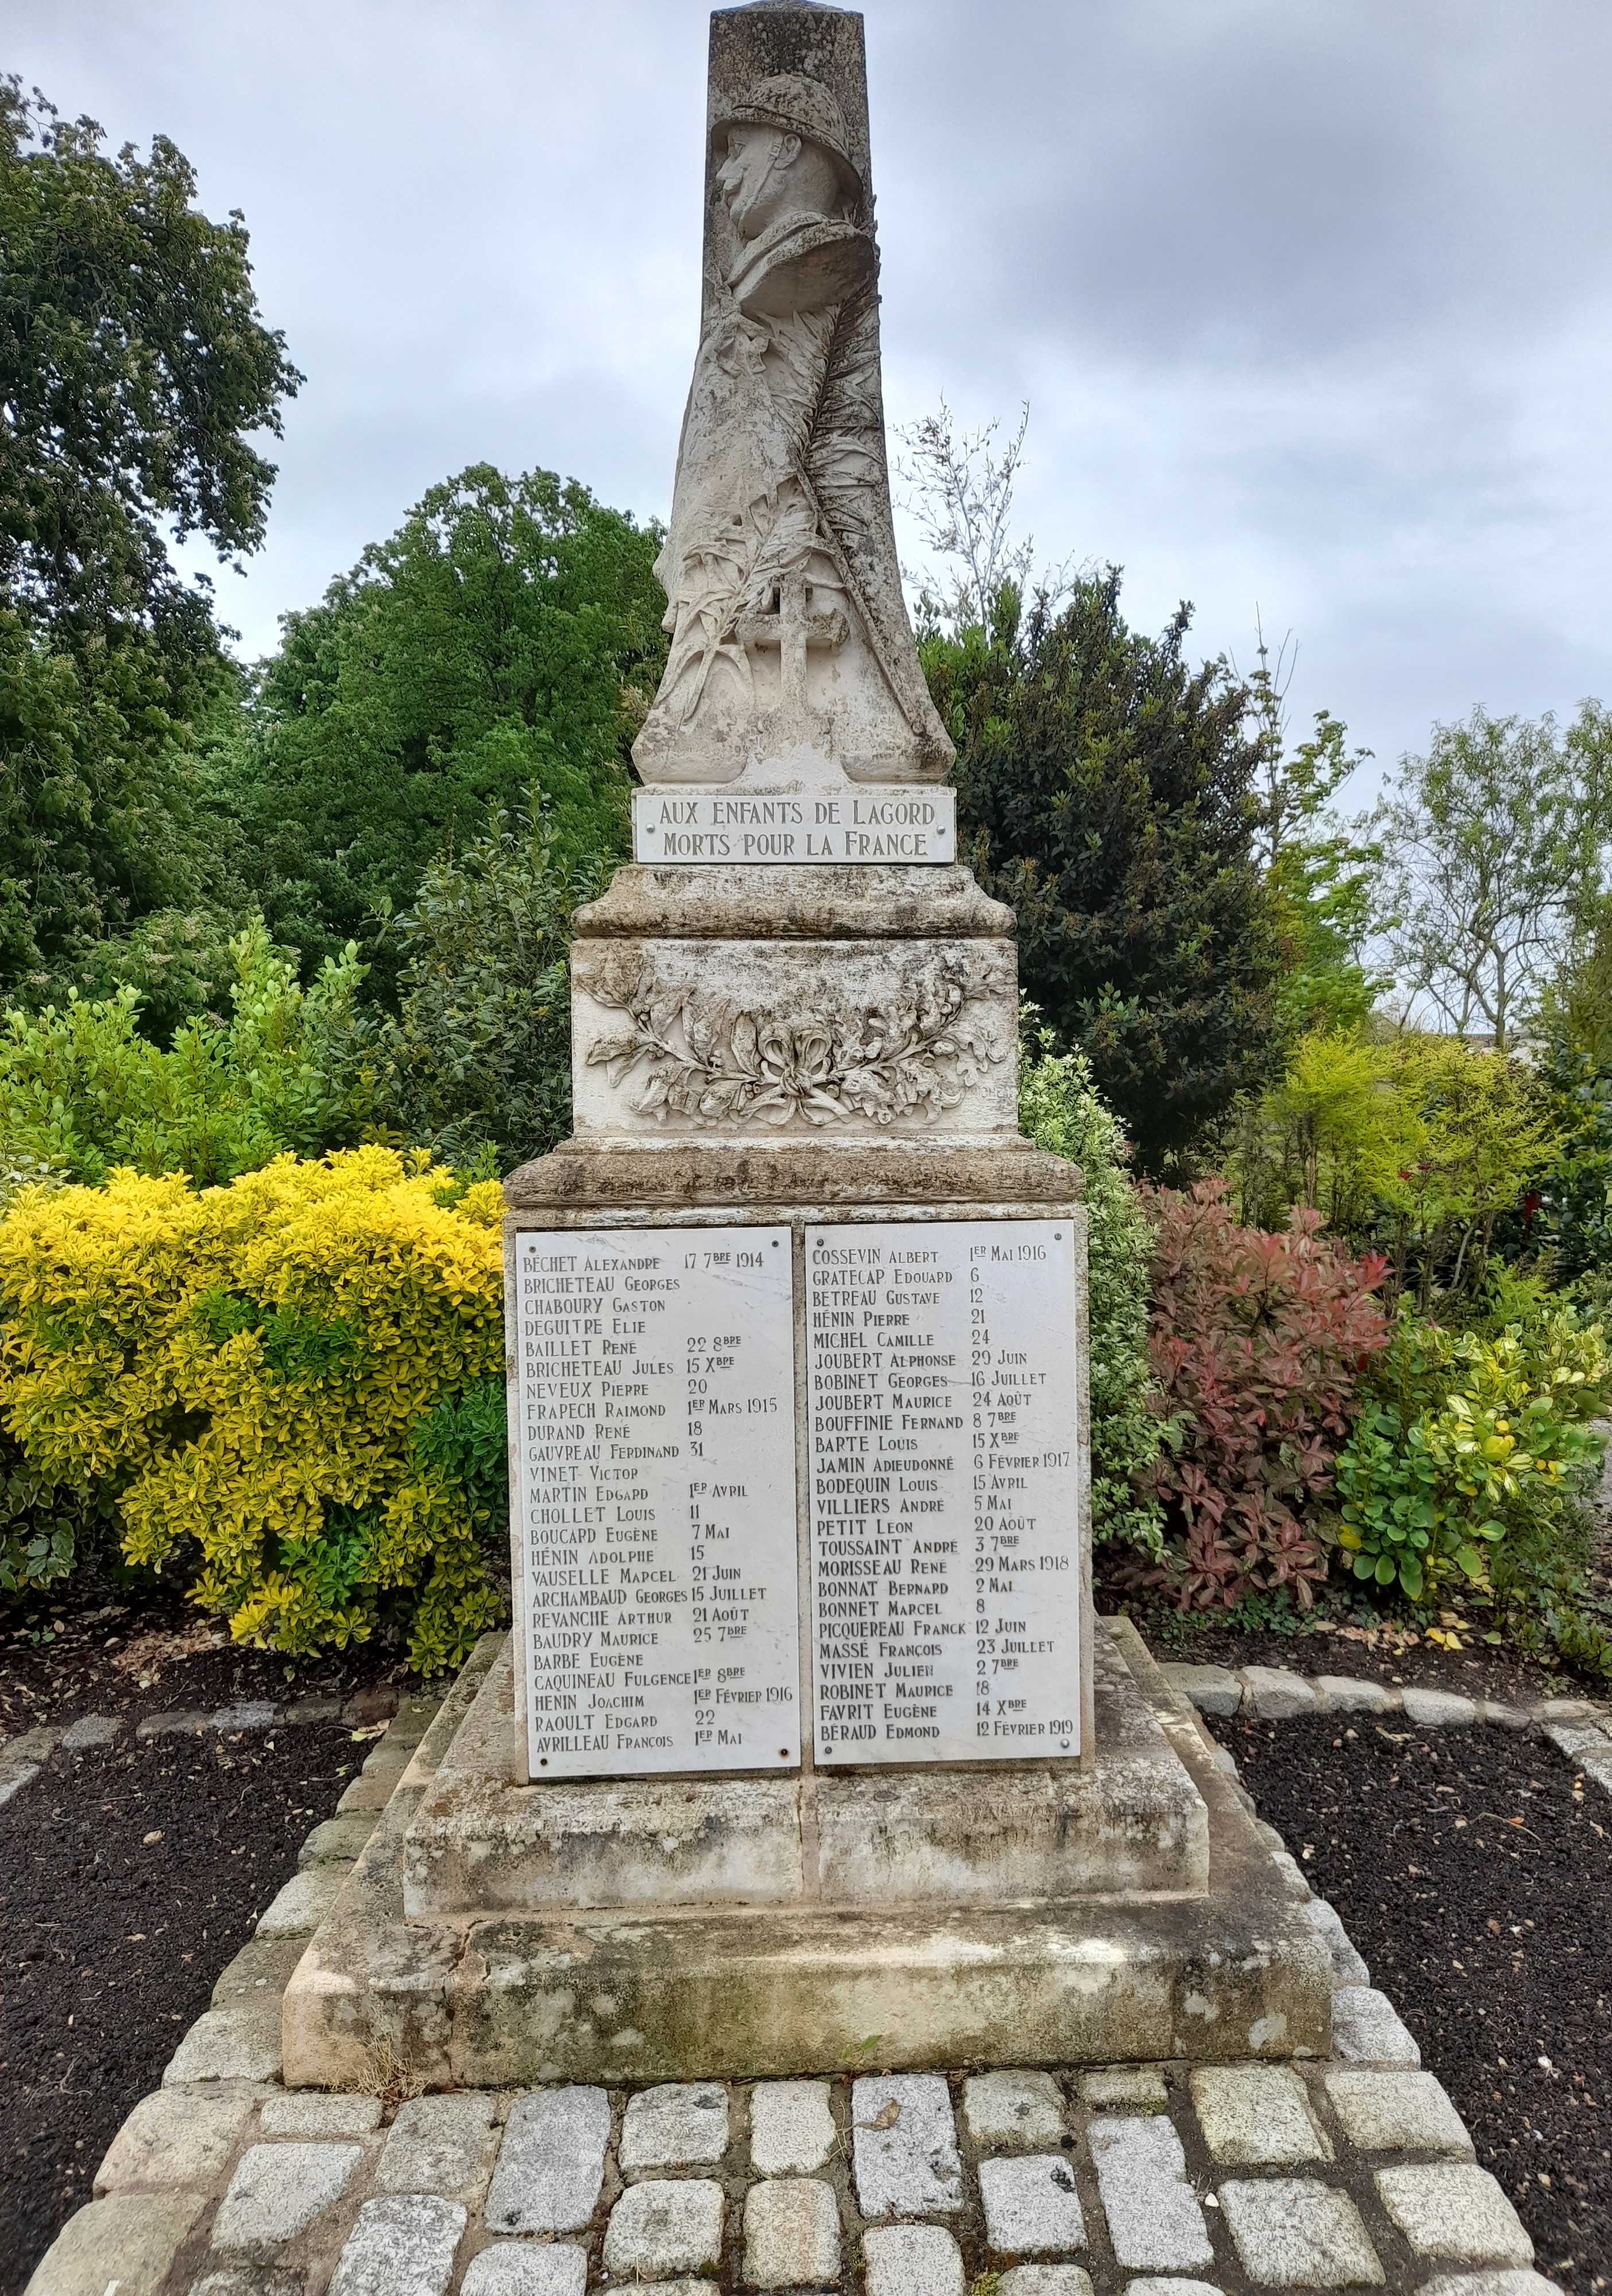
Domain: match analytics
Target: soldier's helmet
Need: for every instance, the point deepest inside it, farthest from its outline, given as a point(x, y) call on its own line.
point(794, 106)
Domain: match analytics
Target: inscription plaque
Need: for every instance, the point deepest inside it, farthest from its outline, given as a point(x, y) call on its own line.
point(942, 1419)
point(905, 822)
point(655, 1485)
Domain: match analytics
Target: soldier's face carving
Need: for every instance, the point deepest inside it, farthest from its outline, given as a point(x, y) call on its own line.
point(768, 174)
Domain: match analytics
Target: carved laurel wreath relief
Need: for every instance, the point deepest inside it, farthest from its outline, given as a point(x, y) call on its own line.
point(713, 1060)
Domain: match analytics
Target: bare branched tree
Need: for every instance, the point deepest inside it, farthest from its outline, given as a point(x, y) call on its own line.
point(959, 492)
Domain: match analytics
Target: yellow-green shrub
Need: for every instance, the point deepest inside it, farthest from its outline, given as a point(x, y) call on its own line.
point(250, 1366)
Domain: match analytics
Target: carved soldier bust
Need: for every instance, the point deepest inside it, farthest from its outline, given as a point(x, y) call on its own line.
point(792, 659)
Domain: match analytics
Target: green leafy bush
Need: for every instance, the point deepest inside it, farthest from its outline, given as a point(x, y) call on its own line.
point(285, 1384)
point(1061, 1109)
point(1467, 1442)
point(82, 1091)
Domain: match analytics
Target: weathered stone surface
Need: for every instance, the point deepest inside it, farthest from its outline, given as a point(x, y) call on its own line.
point(913, 2260)
point(1395, 2112)
point(552, 2162)
point(261, 1969)
point(1211, 1689)
point(1009, 2108)
point(314, 1710)
point(818, 674)
point(299, 2113)
point(1276, 1694)
point(229, 2045)
point(14, 1777)
point(1031, 2205)
point(337, 1842)
point(177, 1722)
point(402, 2245)
point(1575, 1740)
point(677, 2125)
point(251, 1714)
point(664, 2226)
point(1257, 2116)
point(1502, 2282)
point(1292, 2232)
point(171, 2139)
point(1505, 1717)
point(277, 2190)
point(792, 2129)
point(1438, 1709)
point(1154, 2219)
point(91, 1730)
point(792, 2234)
point(1069, 2280)
point(252, 2279)
point(303, 1903)
point(904, 2145)
point(367, 1795)
point(131, 2238)
point(523, 2268)
point(1349, 1694)
point(440, 2144)
point(1125, 2089)
point(1455, 2212)
point(1152, 2286)
point(1366, 2029)
point(1347, 1966)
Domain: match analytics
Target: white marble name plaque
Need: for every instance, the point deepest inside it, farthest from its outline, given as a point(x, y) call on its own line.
point(907, 821)
point(942, 1415)
point(655, 1481)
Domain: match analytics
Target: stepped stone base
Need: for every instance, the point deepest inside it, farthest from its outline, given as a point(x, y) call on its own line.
point(480, 1995)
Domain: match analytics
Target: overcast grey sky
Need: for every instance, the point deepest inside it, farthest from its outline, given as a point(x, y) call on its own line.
point(1311, 298)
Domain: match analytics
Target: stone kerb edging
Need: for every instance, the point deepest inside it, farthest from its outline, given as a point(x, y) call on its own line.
point(1578, 1727)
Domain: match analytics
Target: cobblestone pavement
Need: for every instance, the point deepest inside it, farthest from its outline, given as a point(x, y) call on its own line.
point(1149, 2180)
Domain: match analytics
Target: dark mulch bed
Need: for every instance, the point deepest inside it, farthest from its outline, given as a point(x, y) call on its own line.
point(129, 1875)
point(1474, 1872)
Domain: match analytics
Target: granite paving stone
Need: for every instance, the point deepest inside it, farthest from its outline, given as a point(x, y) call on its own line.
point(1296, 2232)
point(91, 1730)
point(520, 2268)
point(904, 2145)
point(1348, 1694)
point(1438, 1709)
point(677, 2125)
point(1031, 2205)
point(1154, 2219)
point(1347, 1967)
point(1257, 2116)
point(1211, 1689)
point(1455, 2210)
point(1010, 2108)
point(1395, 2111)
point(1063, 2280)
point(664, 2226)
point(1366, 2029)
point(551, 2164)
point(440, 2144)
point(173, 2140)
point(913, 2260)
point(402, 2245)
point(313, 2114)
point(1129, 2088)
point(241, 2043)
point(130, 2238)
point(303, 1903)
point(250, 2280)
point(277, 2190)
point(792, 2129)
point(1276, 1694)
point(1150, 2286)
point(1502, 2282)
point(792, 2234)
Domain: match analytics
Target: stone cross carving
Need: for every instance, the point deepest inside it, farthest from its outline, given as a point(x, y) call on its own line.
point(792, 657)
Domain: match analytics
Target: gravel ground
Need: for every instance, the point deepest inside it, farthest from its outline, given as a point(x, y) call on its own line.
point(129, 1875)
point(1474, 1872)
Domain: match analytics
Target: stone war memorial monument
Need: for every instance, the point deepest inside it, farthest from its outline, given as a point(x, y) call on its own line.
point(805, 1749)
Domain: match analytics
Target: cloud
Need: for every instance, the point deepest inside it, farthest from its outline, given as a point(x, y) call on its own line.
point(1312, 304)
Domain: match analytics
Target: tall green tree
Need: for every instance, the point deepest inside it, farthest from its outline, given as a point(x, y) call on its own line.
point(1495, 845)
point(134, 370)
point(505, 639)
point(1107, 790)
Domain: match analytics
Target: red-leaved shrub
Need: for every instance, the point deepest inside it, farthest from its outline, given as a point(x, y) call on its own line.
point(1258, 1342)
